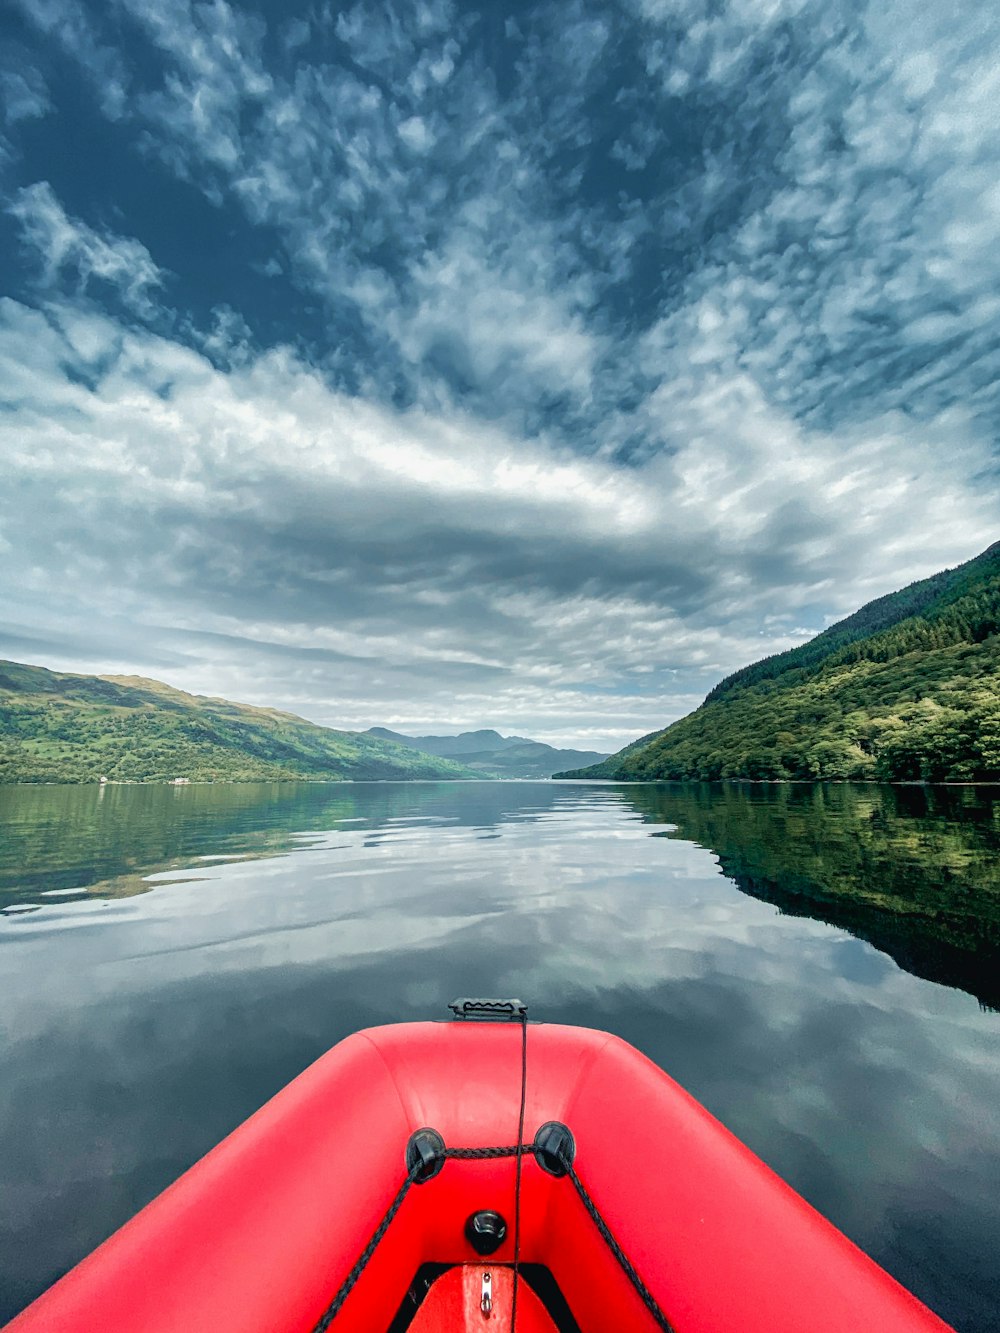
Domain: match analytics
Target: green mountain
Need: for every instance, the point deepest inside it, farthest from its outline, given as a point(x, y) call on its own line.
point(56, 727)
point(906, 689)
point(494, 756)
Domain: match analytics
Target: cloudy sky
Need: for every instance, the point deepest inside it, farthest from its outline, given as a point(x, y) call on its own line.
point(533, 366)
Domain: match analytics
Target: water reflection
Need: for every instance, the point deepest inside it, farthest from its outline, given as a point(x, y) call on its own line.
point(138, 1030)
point(913, 870)
point(106, 841)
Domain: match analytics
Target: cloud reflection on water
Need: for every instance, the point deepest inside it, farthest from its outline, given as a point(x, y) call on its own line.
point(141, 1030)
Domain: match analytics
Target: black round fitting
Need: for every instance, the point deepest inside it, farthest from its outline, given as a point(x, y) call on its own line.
point(424, 1155)
point(485, 1231)
point(554, 1148)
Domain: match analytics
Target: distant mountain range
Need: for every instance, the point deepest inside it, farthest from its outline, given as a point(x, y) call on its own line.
point(494, 756)
point(906, 689)
point(56, 727)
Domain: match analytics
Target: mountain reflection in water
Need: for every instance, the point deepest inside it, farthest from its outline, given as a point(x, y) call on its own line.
point(915, 871)
point(170, 957)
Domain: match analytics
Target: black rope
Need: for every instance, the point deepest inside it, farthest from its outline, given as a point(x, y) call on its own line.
point(643, 1291)
point(349, 1282)
point(488, 1152)
point(517, 1151)
point(347, 1286)
point(519, 1154)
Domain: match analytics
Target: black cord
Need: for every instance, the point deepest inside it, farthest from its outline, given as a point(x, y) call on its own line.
point(473, 1153)
point(419, 1172)
point(645, 1295)
point(347, 1286)
point(519, 1154)
point(517, 1151)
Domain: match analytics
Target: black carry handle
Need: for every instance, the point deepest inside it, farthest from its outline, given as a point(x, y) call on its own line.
point(483, 1009)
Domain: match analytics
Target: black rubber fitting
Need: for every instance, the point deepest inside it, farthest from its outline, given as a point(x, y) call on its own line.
point(483, 1009)
point(485, 1231)
point(424, 1155)
point(554, 1148)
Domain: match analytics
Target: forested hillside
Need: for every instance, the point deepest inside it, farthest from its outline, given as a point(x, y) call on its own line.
point(56, 727)
point(494, 756)
point(906, 689)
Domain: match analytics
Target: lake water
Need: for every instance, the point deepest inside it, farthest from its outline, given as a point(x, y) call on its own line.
point(819, 966)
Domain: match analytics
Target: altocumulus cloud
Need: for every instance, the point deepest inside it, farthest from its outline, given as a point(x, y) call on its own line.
point(424, 366)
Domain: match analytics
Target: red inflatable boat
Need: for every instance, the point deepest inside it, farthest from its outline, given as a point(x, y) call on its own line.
point(385, 1189)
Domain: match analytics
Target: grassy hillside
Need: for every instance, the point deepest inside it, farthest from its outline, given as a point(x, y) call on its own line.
point(494, 756)
point(56, 727)
point(906, 689)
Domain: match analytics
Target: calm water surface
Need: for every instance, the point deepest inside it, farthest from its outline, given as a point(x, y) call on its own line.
point(820, 967)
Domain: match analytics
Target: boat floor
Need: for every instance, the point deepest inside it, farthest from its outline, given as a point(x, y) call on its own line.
point(476, 1298)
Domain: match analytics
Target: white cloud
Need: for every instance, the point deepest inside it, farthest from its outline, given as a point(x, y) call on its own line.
point(356, 555)
point(481, 296)
point(215, 68)
point(416, 134)
point(711, 43)
point(23, 94)
point(67, 244)
point(766, 278)
point(876, 233)
point(68, 23)
point(491, 320)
